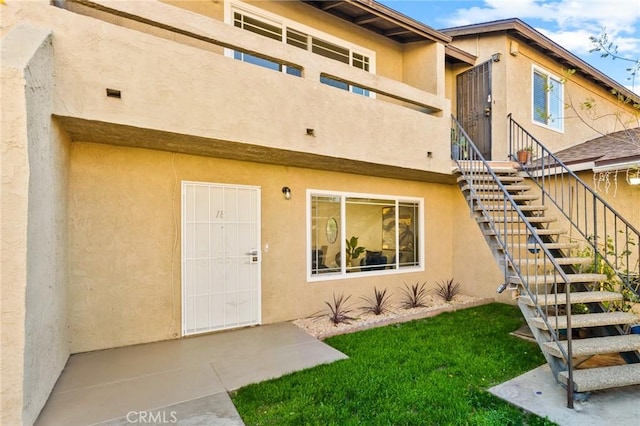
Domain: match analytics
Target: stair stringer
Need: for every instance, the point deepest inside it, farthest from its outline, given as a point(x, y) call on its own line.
point(541, 320)
point(541, 336)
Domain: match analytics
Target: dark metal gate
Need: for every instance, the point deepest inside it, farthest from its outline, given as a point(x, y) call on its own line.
point(473, 95)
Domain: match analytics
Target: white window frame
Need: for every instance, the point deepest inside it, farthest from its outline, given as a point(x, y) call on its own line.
point(342, 236)
point(237, 6)
point(559, 120)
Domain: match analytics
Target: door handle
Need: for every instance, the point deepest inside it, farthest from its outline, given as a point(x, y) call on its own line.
point(254, 255)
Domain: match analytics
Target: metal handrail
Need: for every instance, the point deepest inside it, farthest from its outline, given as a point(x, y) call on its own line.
point(611, 237)
point(517, 244)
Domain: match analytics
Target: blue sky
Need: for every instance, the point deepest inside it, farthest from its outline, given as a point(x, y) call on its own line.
point(567, 22)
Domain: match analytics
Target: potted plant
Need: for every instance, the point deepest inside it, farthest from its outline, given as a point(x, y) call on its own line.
point(524, 154)
point(459, 148)
point(353, 250)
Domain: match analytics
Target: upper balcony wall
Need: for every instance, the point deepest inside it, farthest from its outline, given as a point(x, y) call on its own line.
point(171, 87)
point(392, 59)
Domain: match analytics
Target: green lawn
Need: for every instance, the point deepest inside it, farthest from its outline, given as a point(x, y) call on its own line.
point(433, 371)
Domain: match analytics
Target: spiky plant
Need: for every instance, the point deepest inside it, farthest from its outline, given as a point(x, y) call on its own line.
point(414, 296)
point(339, 311)
point(448, 289)
point(377, 305)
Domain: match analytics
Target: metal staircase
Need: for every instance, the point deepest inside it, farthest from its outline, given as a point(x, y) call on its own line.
point(569, 289)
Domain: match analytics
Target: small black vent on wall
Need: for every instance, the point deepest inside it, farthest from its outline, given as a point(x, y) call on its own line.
point(113, 93)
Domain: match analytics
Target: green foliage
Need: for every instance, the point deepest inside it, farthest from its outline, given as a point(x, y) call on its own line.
point(414, 296)
point(588, 104)
point(379, 304)
point(353, 249)
point(607, 49)
point(434, 371)
point(448, 289)
point(601, 265)
point(579, 308)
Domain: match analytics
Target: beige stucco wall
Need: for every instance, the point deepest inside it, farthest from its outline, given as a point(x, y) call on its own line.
point(216, 104)
point(124, 232)
point(579, 125)
point(34, 269)
point(512, 93)
point(614, 188)
point(473, 262)
point(625, 199)
point(420, 64)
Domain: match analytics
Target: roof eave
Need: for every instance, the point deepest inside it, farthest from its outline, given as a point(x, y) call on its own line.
point(401, 20)
point(457, 55)
point(377, 11)
point(541, 42)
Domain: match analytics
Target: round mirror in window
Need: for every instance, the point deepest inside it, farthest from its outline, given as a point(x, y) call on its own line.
point(332, 230)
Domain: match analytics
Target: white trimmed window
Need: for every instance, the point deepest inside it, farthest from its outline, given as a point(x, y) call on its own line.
point(387, 230)
point(295, 34)
point(548, 100)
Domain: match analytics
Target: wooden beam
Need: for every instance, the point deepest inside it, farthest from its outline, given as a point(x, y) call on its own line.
point(365, 19)
point(396, 31)
point(330, 5)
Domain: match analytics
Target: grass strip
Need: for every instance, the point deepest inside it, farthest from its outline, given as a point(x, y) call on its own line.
point(433, 371)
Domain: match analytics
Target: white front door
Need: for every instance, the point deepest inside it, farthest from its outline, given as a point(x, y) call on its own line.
point(220, 257)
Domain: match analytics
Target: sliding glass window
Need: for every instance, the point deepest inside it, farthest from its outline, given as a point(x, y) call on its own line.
point(357, 233)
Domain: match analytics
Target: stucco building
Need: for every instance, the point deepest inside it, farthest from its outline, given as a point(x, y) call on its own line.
point(173, 168)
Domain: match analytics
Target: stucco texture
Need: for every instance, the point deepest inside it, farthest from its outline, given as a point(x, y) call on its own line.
point(512, 94)
point(34, 164)
point(228, 100)
point(124, 233)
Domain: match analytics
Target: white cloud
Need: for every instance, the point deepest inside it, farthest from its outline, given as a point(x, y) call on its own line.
point(576, 42)
point(619, 15)
point(569, 23)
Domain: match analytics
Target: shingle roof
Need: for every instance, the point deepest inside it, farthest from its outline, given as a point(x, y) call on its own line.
point(614, 148)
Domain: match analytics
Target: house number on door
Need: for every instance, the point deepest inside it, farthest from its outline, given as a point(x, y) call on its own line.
point(220, 214)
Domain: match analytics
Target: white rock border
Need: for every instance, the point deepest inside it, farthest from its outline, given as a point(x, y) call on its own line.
point(321, 328)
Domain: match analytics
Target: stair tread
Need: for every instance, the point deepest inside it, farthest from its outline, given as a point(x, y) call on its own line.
point(506, 170)
point(496, 188)
point(586, 320)
point(485, 177)
point(576, 297)
point(542, 262)
point(573, 260)
point(520, 197)
point(596, 345)
point(551, 278)
point(591, 379)
point(551, 231)
point(500, 207)
point(530, 219)
point(549, 246)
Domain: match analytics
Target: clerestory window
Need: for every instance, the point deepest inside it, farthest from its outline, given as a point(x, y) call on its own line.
point(303, 38)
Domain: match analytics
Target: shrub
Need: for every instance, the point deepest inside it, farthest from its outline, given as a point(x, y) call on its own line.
point(377, 305)
point(414, 296)
point(339, 310)
point(448, 289)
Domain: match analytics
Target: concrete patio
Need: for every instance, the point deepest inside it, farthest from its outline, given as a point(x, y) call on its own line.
point(187, 382)
point(537, 392)
point(180, 381)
